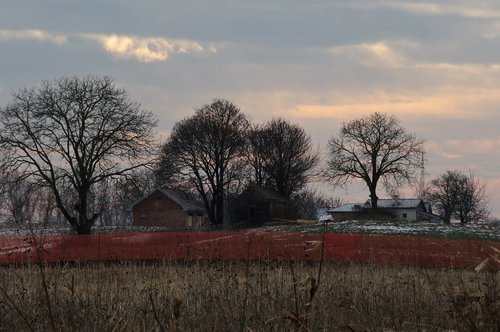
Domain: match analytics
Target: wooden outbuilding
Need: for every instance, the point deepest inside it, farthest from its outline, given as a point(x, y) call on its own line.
point(168, 208)
point(258, 204)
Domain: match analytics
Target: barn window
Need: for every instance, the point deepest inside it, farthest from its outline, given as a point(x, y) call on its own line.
point(405, 215)
point(143, 216)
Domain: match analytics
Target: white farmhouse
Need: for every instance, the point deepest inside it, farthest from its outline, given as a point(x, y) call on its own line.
point(402, 209)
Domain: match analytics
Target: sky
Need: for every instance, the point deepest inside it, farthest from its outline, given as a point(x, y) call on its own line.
point(318, 63)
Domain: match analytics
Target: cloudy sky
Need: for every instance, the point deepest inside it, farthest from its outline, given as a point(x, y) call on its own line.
point(434, 65)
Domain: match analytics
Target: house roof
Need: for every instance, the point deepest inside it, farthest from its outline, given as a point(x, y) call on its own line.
point(351, 207)
point(188, 205)
point(412, 203)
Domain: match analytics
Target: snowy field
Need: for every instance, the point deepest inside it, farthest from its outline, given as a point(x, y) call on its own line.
point(454, 231)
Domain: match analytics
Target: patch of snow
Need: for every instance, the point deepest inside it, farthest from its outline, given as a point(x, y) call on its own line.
point(326, 217)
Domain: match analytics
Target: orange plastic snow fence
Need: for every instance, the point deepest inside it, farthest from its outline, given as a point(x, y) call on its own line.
point(252, 245)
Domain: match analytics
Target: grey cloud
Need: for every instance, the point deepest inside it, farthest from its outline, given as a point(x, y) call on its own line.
point(451, 8)
point(39, 35)
point(466, 9)
point(143, 49)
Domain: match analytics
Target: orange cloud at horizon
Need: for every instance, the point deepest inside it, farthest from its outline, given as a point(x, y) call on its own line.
point(461, 103)
point(456, 149)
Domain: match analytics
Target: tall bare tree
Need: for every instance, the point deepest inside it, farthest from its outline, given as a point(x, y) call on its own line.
point(281, 155)
point(461, 196)
point(374, 148)
point(74, 133)
point(207, 150)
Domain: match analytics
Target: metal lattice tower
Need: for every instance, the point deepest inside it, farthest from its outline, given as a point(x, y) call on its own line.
point(422, 170)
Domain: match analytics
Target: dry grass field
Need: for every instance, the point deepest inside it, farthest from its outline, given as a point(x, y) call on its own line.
point(246, 296)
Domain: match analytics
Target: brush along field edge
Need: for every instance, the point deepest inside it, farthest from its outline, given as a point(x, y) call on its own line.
point(228, 245)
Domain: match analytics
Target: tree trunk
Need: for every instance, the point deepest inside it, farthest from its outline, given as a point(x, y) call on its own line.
point(218, 204)
point(211, 212)
point(83, 229)
point(83, 224)
point(219, 210)
point(447, 217)
point(374, 198)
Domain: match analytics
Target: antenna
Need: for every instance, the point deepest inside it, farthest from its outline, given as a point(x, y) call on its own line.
point(423, 173)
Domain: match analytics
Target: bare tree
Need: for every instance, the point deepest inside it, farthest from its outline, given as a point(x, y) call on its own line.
point(474, 201)
point(20, 201)
point(47, 206)
point(374, 148)
point(207, 152)
point(281, 155)
point(74, 133)
point(461, 196)
point(24, 202)
point(125, 191)
point(443, 193)
point(256, 159)
point(309, 201)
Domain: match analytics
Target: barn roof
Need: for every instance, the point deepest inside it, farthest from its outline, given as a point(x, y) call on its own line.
point(264, 193)
point(188, 205)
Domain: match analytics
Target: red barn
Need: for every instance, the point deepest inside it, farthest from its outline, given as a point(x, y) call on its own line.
point(170, 208)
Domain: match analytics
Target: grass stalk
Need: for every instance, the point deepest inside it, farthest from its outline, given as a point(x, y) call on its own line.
point(39, 250)
point(155, 313)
